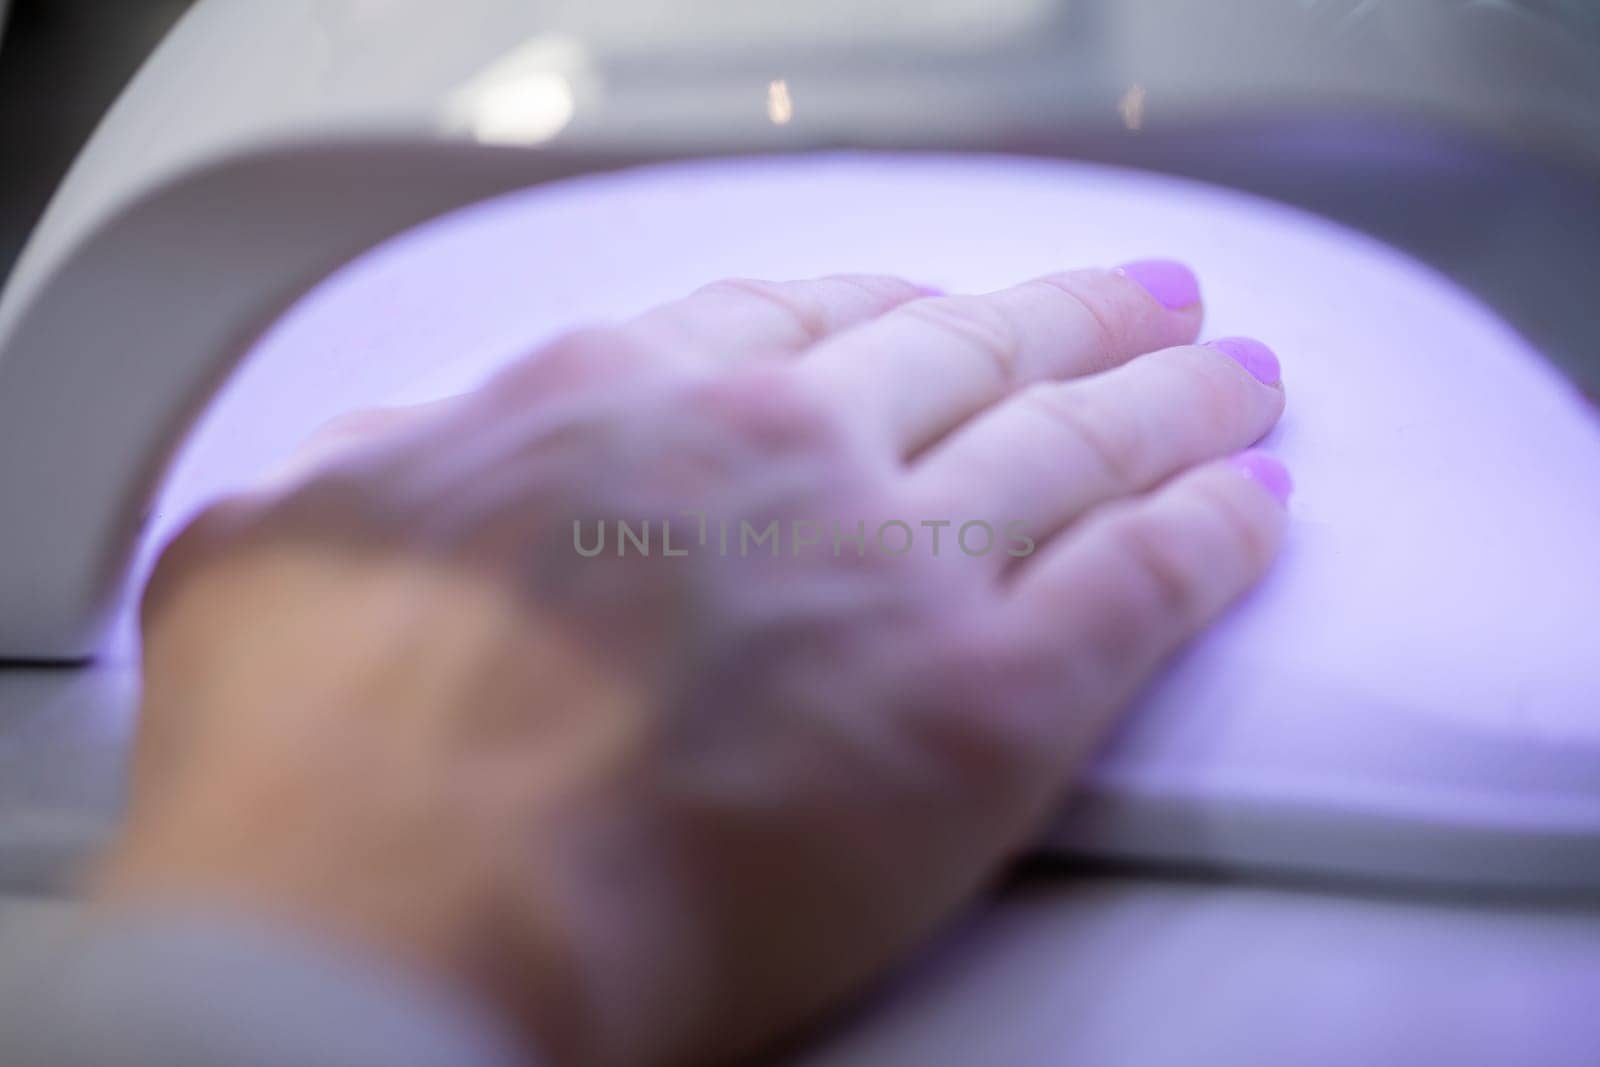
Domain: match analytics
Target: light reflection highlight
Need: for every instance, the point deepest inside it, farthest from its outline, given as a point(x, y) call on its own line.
point(524, 98)
point(1131, 107)
point(780, 105)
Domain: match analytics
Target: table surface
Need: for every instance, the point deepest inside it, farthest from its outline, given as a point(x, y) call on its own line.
point(1143, 973)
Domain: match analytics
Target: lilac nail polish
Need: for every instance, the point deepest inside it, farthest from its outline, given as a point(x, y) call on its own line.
point(1251, 354)
point(1170, 282)
point(1266, 472)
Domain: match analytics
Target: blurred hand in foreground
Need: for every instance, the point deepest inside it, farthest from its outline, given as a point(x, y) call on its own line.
point(679, 680)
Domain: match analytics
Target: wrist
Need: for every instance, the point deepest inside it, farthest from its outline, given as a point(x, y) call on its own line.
point(442, 873)
point(362, 870)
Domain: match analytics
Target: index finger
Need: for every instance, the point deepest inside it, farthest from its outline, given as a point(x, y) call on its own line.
point(925, 367)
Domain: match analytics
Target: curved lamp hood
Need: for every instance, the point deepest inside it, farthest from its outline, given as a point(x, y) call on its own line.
point(265, 146)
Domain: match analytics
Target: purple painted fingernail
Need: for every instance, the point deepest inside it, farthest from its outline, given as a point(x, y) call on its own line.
point(1251, 354)
point(1170, 282)
point(1266, 472)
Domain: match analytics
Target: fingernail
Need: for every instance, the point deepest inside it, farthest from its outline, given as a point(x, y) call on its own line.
point(1170, 282)
point(1266, 472)
point(1251, 354)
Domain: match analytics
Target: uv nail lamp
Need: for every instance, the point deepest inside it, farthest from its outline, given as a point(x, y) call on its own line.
point(303, 207)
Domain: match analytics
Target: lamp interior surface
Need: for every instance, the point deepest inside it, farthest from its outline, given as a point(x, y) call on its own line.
point(1424, 650)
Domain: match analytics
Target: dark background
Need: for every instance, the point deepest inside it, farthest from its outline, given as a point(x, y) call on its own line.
point(62, 62)
point(1503, 225)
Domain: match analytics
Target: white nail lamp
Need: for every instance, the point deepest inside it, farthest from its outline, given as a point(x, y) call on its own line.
point(1414, 695)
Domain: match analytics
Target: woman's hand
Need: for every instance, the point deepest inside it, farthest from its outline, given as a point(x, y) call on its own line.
point(662, 805)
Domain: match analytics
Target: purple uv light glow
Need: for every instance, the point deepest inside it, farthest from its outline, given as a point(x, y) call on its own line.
point(1426, 628)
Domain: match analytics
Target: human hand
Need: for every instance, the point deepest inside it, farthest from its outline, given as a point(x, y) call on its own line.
point(663, 807)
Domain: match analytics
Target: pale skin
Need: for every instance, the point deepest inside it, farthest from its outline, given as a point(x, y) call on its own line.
point(670, 810)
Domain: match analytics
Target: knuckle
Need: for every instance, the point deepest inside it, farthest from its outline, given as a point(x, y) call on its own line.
point(1171, 589)
point(764, 408)
point(795, 303)
point(979, 325)
point(1222, 392)
point(885, 291)
point(1241, 535)
point(1090, 296)
point(1104, 440)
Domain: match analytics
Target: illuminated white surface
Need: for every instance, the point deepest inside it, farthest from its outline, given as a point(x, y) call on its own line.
point(1423, 659)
